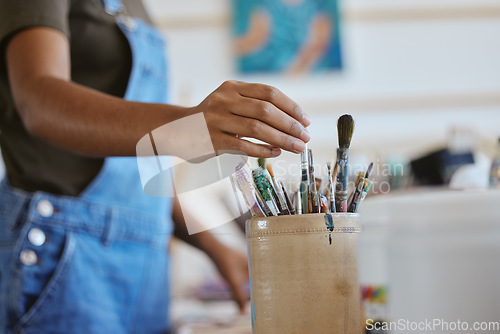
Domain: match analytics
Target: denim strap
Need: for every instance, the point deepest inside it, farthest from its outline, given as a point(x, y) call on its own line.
point(113, 7)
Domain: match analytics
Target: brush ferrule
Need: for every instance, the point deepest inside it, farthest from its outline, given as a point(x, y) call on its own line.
point(341, 195)
point(304, 158)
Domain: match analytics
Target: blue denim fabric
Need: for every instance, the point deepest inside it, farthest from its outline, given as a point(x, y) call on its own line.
point(104, 265)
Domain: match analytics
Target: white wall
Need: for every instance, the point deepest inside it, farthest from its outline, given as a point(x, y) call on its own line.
point(412, 68)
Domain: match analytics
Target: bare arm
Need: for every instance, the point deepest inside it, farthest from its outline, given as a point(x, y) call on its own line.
point(315, 47)
point(91, 123)
point(232, 265)
point(256, 36)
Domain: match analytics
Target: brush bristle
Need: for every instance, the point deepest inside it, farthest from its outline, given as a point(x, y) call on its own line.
point(270, 169)
point(369, 170)
point(262, 162)
point(345, 127)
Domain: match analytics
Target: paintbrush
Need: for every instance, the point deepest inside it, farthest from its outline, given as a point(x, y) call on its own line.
point(263, 186)
point(279, 191)
point(272, 189)
point(360, 185)
point(261, 162)
point(323, 204)
point(319, 184)
point(331, 192)
point(358, 190)
point(263, 204)
point(313, 191)
point(363, 190)
point(297, 204)
point(275, 203)
point(304, 183)
point(287, 199)
point(244, 183)
point(334, 178)
point(366, 187)
point(369, 171)
point(345, 127)
point(303, 206)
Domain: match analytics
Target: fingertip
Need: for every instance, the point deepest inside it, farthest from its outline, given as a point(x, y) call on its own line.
point(299, 146)
point(240, 299)
point(305, 136)
point(275, 152)
point(306, 120)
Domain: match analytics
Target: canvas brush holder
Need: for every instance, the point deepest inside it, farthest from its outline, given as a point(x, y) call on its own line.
point(304, 274)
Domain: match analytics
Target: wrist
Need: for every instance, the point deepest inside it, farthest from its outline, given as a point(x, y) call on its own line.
point(211, 246)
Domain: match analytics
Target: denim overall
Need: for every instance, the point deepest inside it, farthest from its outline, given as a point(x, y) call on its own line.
point(96, 263)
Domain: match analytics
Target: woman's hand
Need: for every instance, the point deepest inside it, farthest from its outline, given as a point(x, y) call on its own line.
point(238, 109)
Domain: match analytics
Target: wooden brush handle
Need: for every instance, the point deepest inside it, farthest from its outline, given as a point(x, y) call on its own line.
point(342, 179)
point(341, 200)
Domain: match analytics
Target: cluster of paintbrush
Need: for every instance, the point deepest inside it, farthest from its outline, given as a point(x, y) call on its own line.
point(265, 196)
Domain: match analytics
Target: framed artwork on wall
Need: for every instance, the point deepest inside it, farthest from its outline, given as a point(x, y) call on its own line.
point(286, 36)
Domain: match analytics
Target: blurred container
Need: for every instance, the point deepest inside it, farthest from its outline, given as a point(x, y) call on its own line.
point(373, 261)
point(495, 169)
point(300, 282)
point(444, 250)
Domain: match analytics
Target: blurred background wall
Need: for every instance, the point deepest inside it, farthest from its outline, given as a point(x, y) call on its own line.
point(412, 69)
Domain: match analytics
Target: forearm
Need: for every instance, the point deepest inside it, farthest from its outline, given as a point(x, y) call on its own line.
point(86, 121)
point(68, 115)
point(232, 265)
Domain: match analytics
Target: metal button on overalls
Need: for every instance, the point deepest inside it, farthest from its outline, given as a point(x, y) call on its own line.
point(45, 208)
point(36, 237)
point(28, 257)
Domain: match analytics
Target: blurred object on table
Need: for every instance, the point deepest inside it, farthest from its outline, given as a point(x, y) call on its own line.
point(437, 168)
point(463, 164)
point(399, 176)
point(443, 256)
point(372, 254)
point(217, 290)
point(436, 251)
point(494, 181)
point(472, 176)
point(196, 317)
